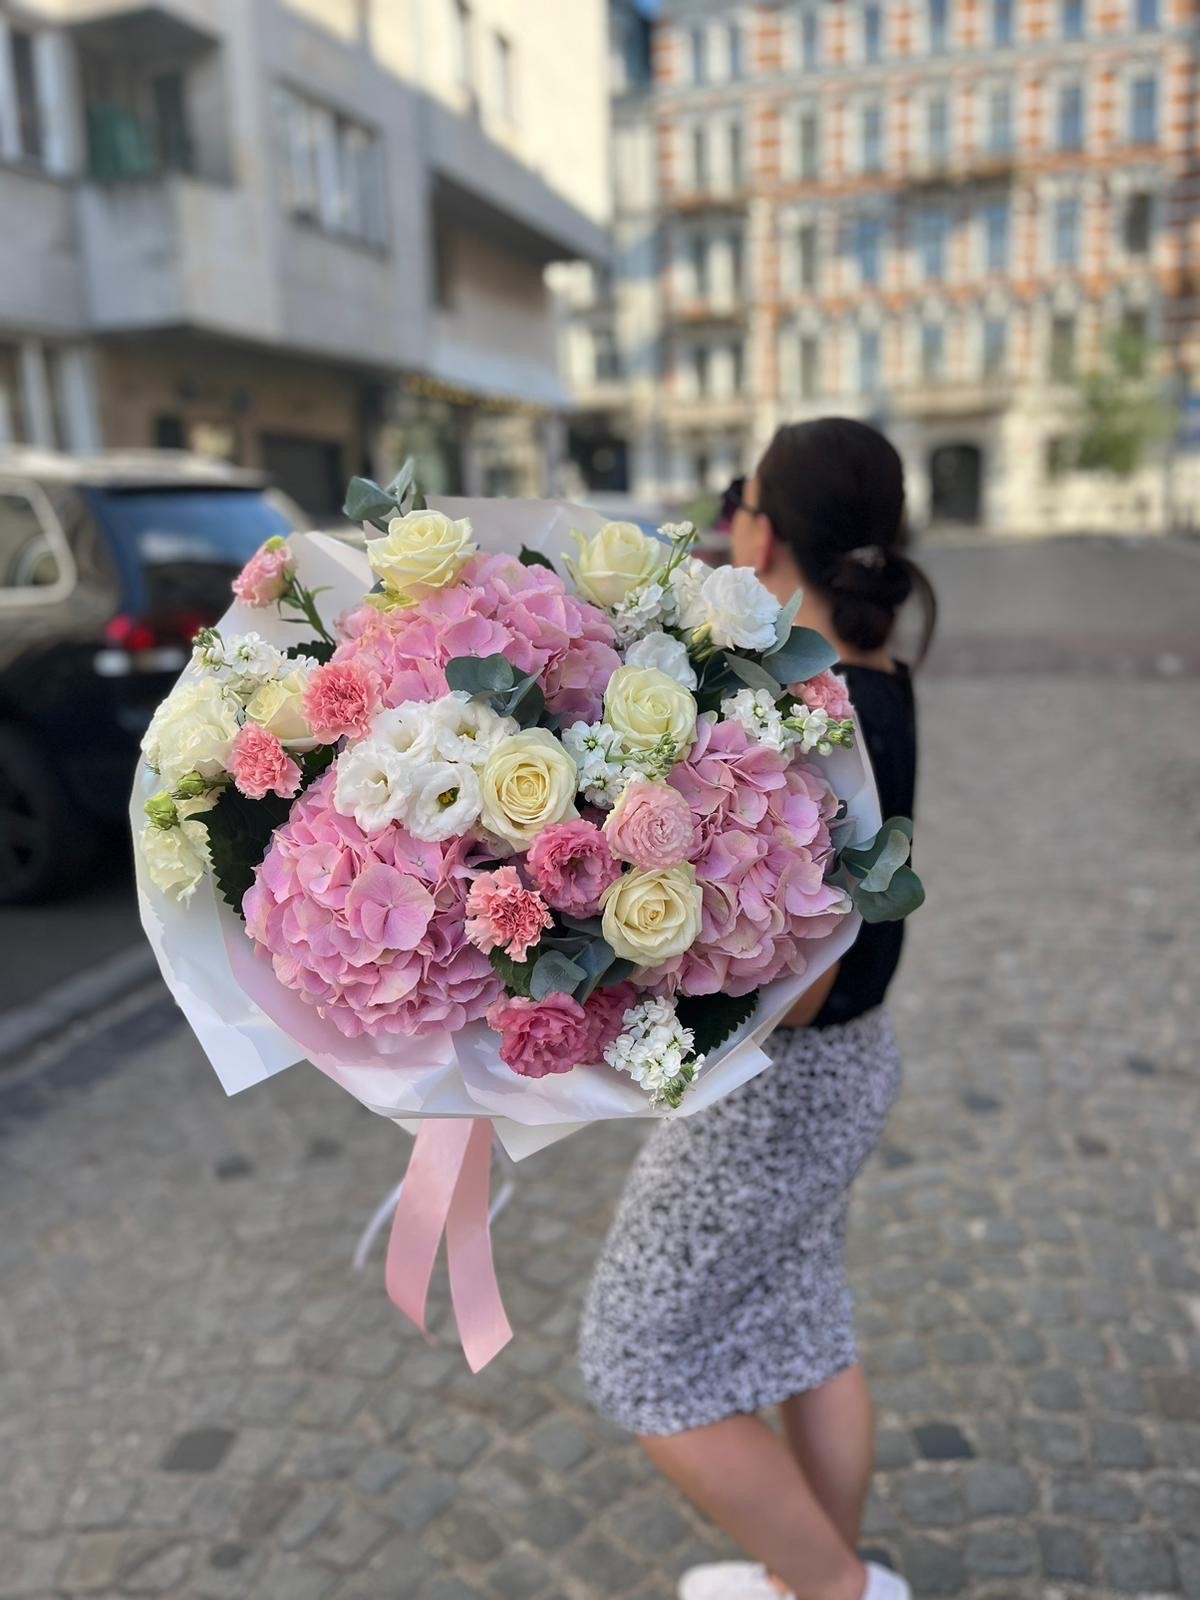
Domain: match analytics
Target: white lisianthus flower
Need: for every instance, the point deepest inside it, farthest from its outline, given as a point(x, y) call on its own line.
point(684, 607)
point(192, 731)
point(406, 730)
point(755, 710)
point(176, 857)
point(443, 800)
point(373, 784)
point(467, 730)
point(421, 551)
point(739, 611)
point(656, 1050)
point(665, 654)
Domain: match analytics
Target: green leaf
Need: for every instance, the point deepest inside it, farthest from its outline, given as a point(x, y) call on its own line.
point(403, 481)
point(805, 653)
point(859, 859)
point(713, 1018)
point(318, 649)
point(239, 835)
point(514, 975)
point(751, 674)
point(418, 501)
point(783, 622)
point(620, 971)
point(900, 899)
point(529, 708)
point(596, 957)
point(534, 558)
point(367, 502)
point(590, 925)
point(480, 674)
point(555, 973)
point(894, 854)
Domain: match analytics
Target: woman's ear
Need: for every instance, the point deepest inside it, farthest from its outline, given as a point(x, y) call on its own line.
point(765, 546)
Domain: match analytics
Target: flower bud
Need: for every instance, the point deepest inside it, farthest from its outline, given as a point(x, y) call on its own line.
point(160, 809)
point(191, 787)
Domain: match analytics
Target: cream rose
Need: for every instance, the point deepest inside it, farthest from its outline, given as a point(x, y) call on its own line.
point(278, 706)
point(612, 562)
point(528, 782)
point(421, 551)
point(191, 731)
point(648, 917)
point(644, 706)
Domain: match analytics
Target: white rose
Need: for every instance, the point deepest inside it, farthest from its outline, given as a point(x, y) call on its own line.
point(444, 800)
point(421, 551)
point(664, 654)
point(740, 612)
point(649, 917)
point(192, 731)
point(467, 730)
point(372, 784)
point(176, 858)
point(528, 782)
point(612, 562)
point(646, 706)
point(278, 706)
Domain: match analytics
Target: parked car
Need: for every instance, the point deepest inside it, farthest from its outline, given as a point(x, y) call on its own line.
point(109, 565)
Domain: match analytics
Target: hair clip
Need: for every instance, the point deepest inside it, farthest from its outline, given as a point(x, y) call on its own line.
point(867, 555)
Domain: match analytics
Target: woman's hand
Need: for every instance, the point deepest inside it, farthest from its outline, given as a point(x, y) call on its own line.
point(806, 1010)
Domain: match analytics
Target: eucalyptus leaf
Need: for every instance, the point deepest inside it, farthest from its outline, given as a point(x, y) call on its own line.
point(751, 674)
point(418, 501)
point(859, 859)
point(620, 971)
point(805, 653)
point(900, 899)
point(403, 481)
point(480, 674)
point(595, 958)
point(367, 502)
point(534, 558)
point(590, 925)
point(554, 973)
point(894, 854)
point(783, 622)
point(529, 707)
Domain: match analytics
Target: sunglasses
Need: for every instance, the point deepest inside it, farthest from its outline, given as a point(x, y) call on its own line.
point(734, 499)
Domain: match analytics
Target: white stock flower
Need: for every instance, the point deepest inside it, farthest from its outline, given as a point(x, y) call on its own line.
point(192, 731)
point(443, 799)
point(810, 729)
point(739, 611)
point(372, 785)
point(755, 710)
point(685, 607)
point(655, 1049)
point(177, 857)
point(665, 654)
point(639, 612)
point(467, 730)
point(597, 753)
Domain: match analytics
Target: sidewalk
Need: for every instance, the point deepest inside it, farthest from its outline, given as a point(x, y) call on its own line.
point(198, 1398)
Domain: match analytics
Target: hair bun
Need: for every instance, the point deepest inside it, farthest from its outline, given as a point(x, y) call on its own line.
point(875, 573)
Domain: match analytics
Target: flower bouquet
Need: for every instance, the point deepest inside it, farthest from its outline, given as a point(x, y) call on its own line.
point(532, 832)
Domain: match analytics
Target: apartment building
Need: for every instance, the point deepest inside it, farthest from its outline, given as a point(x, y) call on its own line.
point(937, 214)
point(309, 235)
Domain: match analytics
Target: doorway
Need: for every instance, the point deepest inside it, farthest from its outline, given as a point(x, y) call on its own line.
point(956, 483)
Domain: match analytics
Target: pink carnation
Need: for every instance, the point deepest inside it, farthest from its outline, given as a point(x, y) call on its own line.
point(261, 766)
point(340, 700)
point(651, 826)
point(604, 1010)
point(541, 1036)
point(265, 576)
point(369, 929)
point(503, 914)
point(572, 864)
point(827, 692)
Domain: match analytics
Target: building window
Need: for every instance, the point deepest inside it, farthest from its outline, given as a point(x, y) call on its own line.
point(808, 147)
point(872, 138)
point(995, 236)
point(868, 250)
point(1066, 233)
point(1143, 111)
point(1074, 18)
point(810, 367)
point(1062, 348)
point(332, 169)
point(870, 364)
point(933, 352)
point(503, 76)
point(810, 39)
point(932, 232)
point(1000, 122)
point(1139, 219)
point(872, 24)
point(735, 155)
point(806, 256)
point(28, 560)
point(937, 127)
point(1003, 30)
point(736, 368)
point(995, 346)
point(700, 370)
point(30, 133)
point(606, 366)
point(737, 266)
point(698, 144)
point(1070, 117)
point(733, 47)
point(460, 44)
point(939, 26)
point(699, 262)
point(699, 49)
point(1147, 15)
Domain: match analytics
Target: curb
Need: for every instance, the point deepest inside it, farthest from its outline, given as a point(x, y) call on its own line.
point(65, 1002)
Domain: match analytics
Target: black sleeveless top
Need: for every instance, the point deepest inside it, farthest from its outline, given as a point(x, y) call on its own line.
point(887, 716)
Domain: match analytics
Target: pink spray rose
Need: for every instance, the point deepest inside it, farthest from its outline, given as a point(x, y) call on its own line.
point(827, 692)
point(265, 576)
point(261, 766)
point(604, 1011)
point(503, 914)
point(651, 826)
point(572, 864)
point(541, 1036)
point(341, 698)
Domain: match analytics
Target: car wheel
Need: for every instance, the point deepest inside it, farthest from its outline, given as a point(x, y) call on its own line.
point(44, 843)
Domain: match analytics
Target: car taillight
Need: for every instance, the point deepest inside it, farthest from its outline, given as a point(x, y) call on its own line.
point(139, 644)
point(128, 633)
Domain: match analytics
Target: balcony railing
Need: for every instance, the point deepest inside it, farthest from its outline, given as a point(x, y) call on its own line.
point(708, 196)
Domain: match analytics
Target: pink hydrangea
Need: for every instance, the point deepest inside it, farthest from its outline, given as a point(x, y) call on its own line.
point(265, 576)
point(763, 821)
point(503, 914)
point(541, 1036)
point(341, 699)
point(369, 929)
point(497, 606)
point(572, 864)
point(604, 1011)
point(261, 766)
point(651, 826)
point(827, 692)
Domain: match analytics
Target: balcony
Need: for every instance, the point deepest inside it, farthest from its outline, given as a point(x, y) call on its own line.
point(722, 309)
point(970, 170)
point(952, 398)
point(708, 197)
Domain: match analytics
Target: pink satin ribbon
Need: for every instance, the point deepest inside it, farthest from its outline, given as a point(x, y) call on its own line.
point(446, 1190)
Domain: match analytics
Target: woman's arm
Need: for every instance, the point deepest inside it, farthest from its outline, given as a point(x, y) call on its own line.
point(808, 1007)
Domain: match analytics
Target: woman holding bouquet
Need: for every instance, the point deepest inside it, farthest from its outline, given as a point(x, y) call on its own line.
point(722, 1289)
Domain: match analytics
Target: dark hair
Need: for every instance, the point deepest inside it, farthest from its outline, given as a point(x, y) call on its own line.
point(834, 492)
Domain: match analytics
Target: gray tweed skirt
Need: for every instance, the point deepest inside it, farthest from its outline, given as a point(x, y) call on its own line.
point(722, 1286)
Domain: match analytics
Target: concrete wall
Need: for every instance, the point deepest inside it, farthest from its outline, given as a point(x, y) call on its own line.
point(41, 272)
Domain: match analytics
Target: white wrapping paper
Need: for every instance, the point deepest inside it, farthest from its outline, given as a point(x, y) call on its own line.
point(251, 1027)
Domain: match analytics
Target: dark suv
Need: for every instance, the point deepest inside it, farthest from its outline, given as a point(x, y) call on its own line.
point(108, 566)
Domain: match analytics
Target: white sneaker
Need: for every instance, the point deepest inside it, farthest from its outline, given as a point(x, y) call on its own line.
point(727, 1580)
point(885, 1585)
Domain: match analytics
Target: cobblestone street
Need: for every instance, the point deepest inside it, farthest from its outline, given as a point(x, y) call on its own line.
point(200, 1398)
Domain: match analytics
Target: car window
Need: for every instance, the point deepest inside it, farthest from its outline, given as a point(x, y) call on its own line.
point(28, 559)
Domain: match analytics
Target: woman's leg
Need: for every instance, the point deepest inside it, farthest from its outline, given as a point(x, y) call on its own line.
point(832, 1434)
point(744, 1477)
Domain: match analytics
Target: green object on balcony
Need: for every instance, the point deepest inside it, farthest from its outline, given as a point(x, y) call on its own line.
point(120, 144)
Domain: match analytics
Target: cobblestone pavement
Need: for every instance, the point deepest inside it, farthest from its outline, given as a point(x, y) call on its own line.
point(198, 1397)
